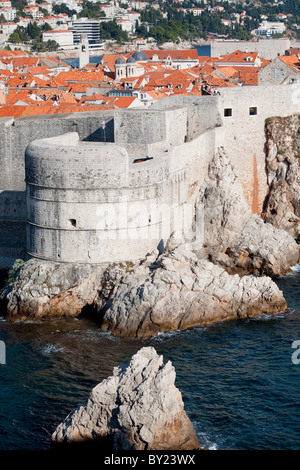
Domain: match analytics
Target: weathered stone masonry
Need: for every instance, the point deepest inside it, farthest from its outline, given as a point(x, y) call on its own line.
point(68, 178)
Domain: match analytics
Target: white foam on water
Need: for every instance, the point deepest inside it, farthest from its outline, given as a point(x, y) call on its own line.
point(296, 268)
point(206, 442)
point(51, 348)
point(161, 335)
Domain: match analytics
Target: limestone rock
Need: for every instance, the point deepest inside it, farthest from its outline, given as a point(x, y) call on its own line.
point(282, 207)
point(38, 288)
point(139, 406)
point(179, 291)
point(235, 238)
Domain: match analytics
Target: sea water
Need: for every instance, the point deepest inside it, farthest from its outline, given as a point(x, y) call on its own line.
point(238, 381)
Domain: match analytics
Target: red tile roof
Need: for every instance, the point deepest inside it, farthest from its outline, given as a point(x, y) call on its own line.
point(18, 111)
point(75, 76)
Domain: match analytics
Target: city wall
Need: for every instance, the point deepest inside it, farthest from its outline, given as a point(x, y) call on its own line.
point(179, 134)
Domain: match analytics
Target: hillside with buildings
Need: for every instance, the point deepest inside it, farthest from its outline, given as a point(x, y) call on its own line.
point(57, 23)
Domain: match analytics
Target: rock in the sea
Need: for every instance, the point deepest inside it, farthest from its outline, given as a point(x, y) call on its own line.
point(139, 407)
point(282, 208)
point(236, 239)
point(38, 288)
point(176, 290)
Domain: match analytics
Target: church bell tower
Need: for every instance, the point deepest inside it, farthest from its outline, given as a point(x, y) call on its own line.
point(84, 55)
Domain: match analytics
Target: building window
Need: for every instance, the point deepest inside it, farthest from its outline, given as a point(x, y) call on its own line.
point(253, 111)
point(228, 112)
point(72, 222)
point(276, 73)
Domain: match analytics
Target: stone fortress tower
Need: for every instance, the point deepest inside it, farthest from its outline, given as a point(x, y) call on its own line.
point(93, 203)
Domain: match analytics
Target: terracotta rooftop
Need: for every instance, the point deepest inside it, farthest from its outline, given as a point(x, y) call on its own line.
point(18, 111)
point(74, 76)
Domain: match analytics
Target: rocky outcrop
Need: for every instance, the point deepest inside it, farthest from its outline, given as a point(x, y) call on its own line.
point(234, 238)
point(138, 406)
point(185, 286)
point(282, 207)
point(176, 290)
point(37, 289)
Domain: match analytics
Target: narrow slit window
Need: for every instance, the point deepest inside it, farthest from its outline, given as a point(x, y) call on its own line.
point(72, 222)
point(228, 112)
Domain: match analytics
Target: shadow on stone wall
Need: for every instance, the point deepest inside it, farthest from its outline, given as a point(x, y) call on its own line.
point(100, 134)
point(3, 277)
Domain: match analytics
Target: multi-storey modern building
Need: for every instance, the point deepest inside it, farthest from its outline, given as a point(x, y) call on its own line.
point(89, 27)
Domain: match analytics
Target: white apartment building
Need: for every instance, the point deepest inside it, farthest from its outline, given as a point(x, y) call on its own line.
point(109, 10)
point(8, 13)
point(139, 5)
point(197, 11)
point(5, 4)
point(46, 6)
point(63, 37)
point(268, 29)
point(8, 28)
point(126, 25)
point(71, 4)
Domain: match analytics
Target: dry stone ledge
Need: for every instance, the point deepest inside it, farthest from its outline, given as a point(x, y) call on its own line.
point(139, 407)
point(177, 291)
point(42, 289)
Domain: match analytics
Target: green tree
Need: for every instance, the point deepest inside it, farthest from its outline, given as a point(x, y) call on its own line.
point(33, 31)
point(52, 45)
point(91, 10)
point(15, 38)
point(111, 30)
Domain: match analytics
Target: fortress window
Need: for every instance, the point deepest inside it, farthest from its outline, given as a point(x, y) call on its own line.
point(72, 222)
point(253, 111)
point(228, 112)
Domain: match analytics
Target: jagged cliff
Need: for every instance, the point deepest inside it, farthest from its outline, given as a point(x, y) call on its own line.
point(282, 205)
point(234, 237)
point(137, 408)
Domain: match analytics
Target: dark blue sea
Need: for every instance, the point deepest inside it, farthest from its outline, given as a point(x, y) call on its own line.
point(75, 62)
point(238, 381)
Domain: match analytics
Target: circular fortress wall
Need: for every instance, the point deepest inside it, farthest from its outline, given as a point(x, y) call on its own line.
point(81, 204)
